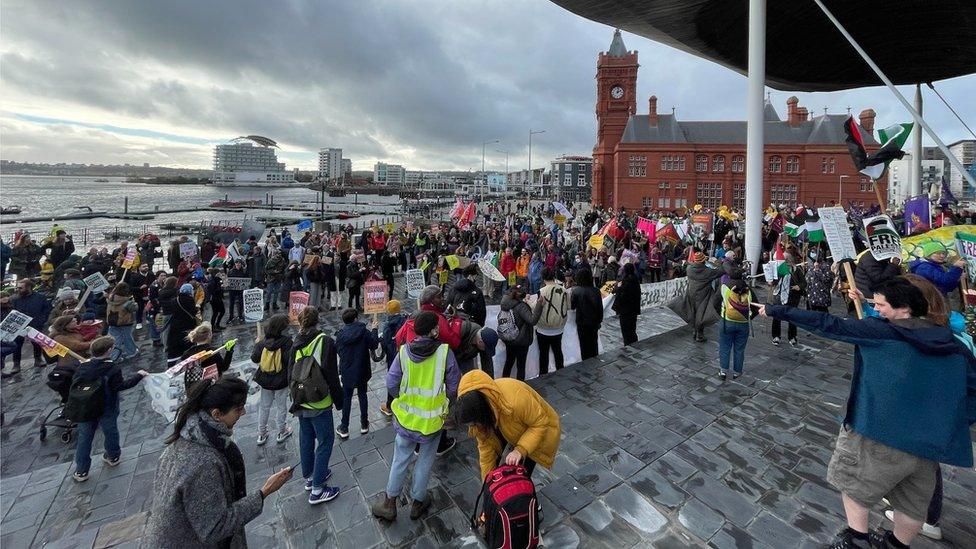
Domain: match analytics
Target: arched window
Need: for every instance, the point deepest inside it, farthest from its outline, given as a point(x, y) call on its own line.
point(775, 163)
point(738, 163)
point(718, 163)
point(701, 163)
point(792, 164)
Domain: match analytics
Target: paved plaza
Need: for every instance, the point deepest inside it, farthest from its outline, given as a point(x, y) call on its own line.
point(656, 452)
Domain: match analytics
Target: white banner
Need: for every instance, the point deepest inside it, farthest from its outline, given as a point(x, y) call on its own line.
point(238, 283)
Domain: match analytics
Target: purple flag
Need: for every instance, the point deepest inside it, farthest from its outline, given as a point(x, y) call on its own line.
point(916, 215)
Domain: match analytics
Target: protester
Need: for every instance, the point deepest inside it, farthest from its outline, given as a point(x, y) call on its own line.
point(910, 408)
point(236, 297)
point(200, 339)
point(355, 277)
point(36, 306)
point(120, 317)
point(871, 272)
point(468, 300)
point(215, 296)
point(516, 312)
point(934, 269)
point(353, 343)
point(419, 406)
point(695, 306)
point(394, 321)
point(64, 330)
point(549, 329)
point(790, 289)
point(587, 301)
point(315, 388)
point(733, 327)
point(627, 304)
point(819, 279)
point(25, 257)
point(183, 318)
point(507, 413)
point(274, 274)
point(273, 355)
point(59, 249)
point(103, 370)
point(200, 489)
point(316, 280)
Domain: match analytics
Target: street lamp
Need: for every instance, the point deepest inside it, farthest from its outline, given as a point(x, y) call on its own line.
point(484, 181)
point(840, 190)
point(531, 133)
point(506, 168)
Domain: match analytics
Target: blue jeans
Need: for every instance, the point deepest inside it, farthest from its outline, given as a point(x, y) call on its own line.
point(86, 433)
point(271, 294)
point(732, 336)
point(315, 438)
point(153, 332)
point(402, 454)
point(347, 391)
point(125, 346)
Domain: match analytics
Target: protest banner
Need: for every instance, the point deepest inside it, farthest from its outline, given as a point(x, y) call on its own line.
point(882, 237)
point(130, 258)
point(308, 259)
point(657, 294)
point(13, 324)
point(96, 282)
point(167, 390)
point(188, 249)
point(254, 305)
point(490, 270)
point(49, 346)
point(834, 221)
point(238, 283)
point(966, 246)
point(701, 225)
point(375, 297)
point(415, 282)
point(296, 302)
point(596, 241)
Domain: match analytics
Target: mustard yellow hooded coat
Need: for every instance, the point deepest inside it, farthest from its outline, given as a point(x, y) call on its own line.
point(524, 418)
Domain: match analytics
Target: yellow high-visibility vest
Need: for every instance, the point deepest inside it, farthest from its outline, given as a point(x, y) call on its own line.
point(422, 404)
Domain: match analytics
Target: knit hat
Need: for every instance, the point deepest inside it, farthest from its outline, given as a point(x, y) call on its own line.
point(932, 247)
point(429, 293)
point(698, 257)
point(186, 289)
point(490, 339)
point(392, 307)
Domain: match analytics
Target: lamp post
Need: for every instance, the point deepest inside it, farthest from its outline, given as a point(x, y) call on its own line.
point(506, 169)
point(484, 181)
point(531, 133)
point(840, 190)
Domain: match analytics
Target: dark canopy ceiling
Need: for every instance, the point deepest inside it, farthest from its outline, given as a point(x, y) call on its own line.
point(912, 41)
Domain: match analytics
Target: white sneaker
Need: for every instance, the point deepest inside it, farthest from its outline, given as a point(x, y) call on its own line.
point(930, 531)
point(776, 341)
point(262, 438)
point(139, 326)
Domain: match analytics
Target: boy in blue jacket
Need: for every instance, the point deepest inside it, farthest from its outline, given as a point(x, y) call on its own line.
point(912, 400)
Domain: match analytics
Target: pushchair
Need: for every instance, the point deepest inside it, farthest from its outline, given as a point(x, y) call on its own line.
point(59, 380)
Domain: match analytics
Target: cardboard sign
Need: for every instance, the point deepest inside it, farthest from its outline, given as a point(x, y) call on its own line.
point(96, 282)
point(834, 221)
point(238, 283)
point(13, 324)
point(308, 259)
point(882, 237)
point(415, 282)
point(390, 227)
point(188, 249)
point(130, 258)
point(375, 296)
point(296, 302)
point(254, 305)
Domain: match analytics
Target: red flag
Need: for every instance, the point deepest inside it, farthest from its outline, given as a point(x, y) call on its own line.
point(458, 209)
point(779, 252)
point(668, 232)
point(471, 212)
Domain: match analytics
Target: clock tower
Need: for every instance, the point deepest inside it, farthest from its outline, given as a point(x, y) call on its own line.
point(616, 100)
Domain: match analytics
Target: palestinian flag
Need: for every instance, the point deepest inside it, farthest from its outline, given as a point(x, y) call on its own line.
point(892, 139)
point(792, 229)
point(782, 267)
point(813, 227)
point(220, 257)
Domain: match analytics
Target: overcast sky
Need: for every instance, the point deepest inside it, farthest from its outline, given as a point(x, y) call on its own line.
point(419, 83)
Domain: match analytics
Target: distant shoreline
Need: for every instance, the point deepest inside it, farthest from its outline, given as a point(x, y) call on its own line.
point(179, 180)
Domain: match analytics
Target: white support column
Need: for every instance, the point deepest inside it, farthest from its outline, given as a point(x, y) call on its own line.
point(754, 131)
point(917, 147)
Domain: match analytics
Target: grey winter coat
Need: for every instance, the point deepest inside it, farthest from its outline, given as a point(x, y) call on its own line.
point(193, 507)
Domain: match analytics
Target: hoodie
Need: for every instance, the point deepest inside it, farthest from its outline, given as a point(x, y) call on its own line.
point(353, 343)
point(267, 380)
point(913, 385)
point(524, 418)
point(418, 350)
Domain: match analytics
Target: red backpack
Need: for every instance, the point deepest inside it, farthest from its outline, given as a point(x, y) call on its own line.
point(509, 516)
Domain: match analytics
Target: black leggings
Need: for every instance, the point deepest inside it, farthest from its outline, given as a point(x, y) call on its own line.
point(515, 355)
point(216, 311)
point(546, 343)
point(790, 330)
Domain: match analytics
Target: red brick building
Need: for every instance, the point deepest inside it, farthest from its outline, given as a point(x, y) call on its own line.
point(655, 160)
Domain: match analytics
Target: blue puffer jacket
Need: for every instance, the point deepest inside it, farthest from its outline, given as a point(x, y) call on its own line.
point(944, 279)
point(913, 386)
point(353, 343)
point(34, 305)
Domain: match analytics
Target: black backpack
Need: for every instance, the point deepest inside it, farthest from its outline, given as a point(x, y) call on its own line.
point(86, 400)
point(308, 383)
point(509, 517)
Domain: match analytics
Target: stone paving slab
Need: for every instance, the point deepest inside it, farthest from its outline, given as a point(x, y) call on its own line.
point(655, 452)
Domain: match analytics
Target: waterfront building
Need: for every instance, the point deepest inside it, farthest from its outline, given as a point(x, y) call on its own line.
point(657, 161)
point(345, 166)
point(965, 152)
point(330, 164)
point(531, 184)
point(250, 161)
point(572, 178)
point(900, 177)
point(388, 174)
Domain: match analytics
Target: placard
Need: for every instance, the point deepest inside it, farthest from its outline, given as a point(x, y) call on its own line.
point(296, 302)
point(490, 270)
point(188, 249)
point(238, 282)
point(596, 241)
point(308, 259)
point(254, 305)
point(882, 237)
point(375, 296)
point(96, 282)
point(559, 219)
point(13, 324)
point(834, 221)
point(966, 246)
point(130, 258)
point(415, 282)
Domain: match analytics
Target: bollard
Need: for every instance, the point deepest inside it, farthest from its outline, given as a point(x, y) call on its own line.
point(125, 208)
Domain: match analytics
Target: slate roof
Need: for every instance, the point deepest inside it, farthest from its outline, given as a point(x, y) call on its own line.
point(821, 130)
point(617, 48)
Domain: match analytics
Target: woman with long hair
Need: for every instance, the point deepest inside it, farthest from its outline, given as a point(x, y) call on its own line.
point(316, 281)
point(64, 330)
point(200, 491)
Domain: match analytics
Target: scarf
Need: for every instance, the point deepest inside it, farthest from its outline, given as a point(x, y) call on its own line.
point(219, 436)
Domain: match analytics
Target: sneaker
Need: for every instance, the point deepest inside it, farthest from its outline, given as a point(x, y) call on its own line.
point(793, 343)
point(931, 531)
point(12, 372)
point(308, 481)
point(735, 376)
point(385, 410)
point(80, 477)
point(343, 434)
point(283, 435)
point(776, 341)
point(385, 508)
point(328, 493)
point(262, 438)
point(111, 462)
point(139, 326)
point(446, 445)
point(846, 539)
point(364, 429)
point(418, 508)
point(721, 375)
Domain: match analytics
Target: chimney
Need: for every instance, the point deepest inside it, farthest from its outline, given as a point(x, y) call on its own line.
point(652, 110)
point(795, 114)
point(867, 120)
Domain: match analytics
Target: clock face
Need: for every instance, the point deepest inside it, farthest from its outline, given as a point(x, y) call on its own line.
point(616, 92)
